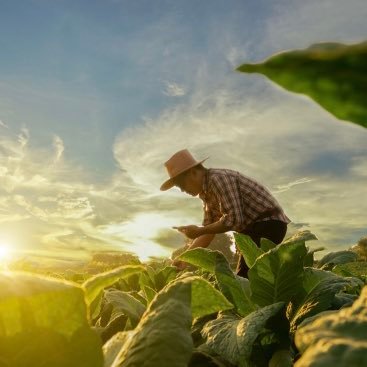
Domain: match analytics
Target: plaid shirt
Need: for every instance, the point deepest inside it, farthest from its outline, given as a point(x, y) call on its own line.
point(237, 201)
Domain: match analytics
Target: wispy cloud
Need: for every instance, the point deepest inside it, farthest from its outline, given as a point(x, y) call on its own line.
point(282, 188)
point(59, 147)
point(173, 89)
point(3, 124)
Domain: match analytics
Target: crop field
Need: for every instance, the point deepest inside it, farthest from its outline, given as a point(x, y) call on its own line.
point(292, 310)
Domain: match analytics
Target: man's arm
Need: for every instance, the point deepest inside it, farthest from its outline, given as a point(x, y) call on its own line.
point(194, 232)
point(202, 241)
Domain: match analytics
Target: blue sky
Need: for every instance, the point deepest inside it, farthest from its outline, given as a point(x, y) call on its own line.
point(96, 95)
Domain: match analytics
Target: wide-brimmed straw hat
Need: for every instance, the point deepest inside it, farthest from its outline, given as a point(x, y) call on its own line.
point(177, 164)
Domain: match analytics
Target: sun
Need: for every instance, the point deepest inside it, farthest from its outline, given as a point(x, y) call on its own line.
point(5, 252)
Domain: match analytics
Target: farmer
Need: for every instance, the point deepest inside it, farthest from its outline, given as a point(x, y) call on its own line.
point(231, 202)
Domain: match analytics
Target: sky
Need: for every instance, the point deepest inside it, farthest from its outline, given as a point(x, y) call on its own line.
point(96, 95)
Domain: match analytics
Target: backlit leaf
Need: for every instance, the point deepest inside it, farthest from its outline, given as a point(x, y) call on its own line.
point(332, 74)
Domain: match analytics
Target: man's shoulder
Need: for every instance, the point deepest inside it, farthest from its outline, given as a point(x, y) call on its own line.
point(221, 177)
point(218, 172)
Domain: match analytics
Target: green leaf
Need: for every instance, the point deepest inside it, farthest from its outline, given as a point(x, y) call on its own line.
point(309, 259)
point(149, 293)
point(278, 274)
point(124, 303)
point(301, 236)
point(248, 248)
point(146, 278)
point(164, 276)
point(205, 299)
point(335, 258)
point(332, 74)
point(320, 288)
point(163, 335)
point(266, 244)
point(352, 269)
point(215, 263)
point(281, 358)
point(38, 315)
point(93, 286)
point(233, 338)
point(343, 300)
point(202, 359)
point(112, 347)
point(336, 339)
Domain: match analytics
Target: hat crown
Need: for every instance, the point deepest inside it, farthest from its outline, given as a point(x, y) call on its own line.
point(180, 162)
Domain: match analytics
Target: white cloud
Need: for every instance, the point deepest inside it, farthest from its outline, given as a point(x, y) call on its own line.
point(3, 124)
point(281, 188)
point(173, 89)
point(59, 147)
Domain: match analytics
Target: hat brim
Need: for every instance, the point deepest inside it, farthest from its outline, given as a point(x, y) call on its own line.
point(168, 184)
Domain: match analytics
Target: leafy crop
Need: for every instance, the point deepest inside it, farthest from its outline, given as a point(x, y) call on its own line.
point(152, 315)
point(337, 338)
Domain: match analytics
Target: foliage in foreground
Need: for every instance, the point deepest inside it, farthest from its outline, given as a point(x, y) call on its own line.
point(332, 74)
point(154, 316)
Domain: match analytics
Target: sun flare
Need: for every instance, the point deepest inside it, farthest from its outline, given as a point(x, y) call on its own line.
point(5, 252)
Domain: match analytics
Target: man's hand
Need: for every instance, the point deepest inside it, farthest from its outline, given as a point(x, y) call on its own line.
point(190, 231)
point(180, 265)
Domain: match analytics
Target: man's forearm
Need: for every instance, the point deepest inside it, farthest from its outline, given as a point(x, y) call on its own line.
point(193, 231)
point(214, 228)
point(202, 241)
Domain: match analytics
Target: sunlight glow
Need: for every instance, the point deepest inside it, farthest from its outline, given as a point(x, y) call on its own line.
point(5, 252)
point(141, 233)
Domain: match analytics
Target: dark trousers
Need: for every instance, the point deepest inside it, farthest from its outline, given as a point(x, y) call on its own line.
point(273, 230)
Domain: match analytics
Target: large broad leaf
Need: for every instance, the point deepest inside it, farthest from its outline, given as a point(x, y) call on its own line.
point(248, 248)
point(301, 236)
point(333, 74)
point(164, 276)
point(94, 286)
point(206, 299)
point(278, 274)
point(233, 338)
point(126, 304)
point(215, 263)
point(163, 335)
point(320, 288)
point(43, 322)
point(112, 348)
point(336, 258)
point(337, 339)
